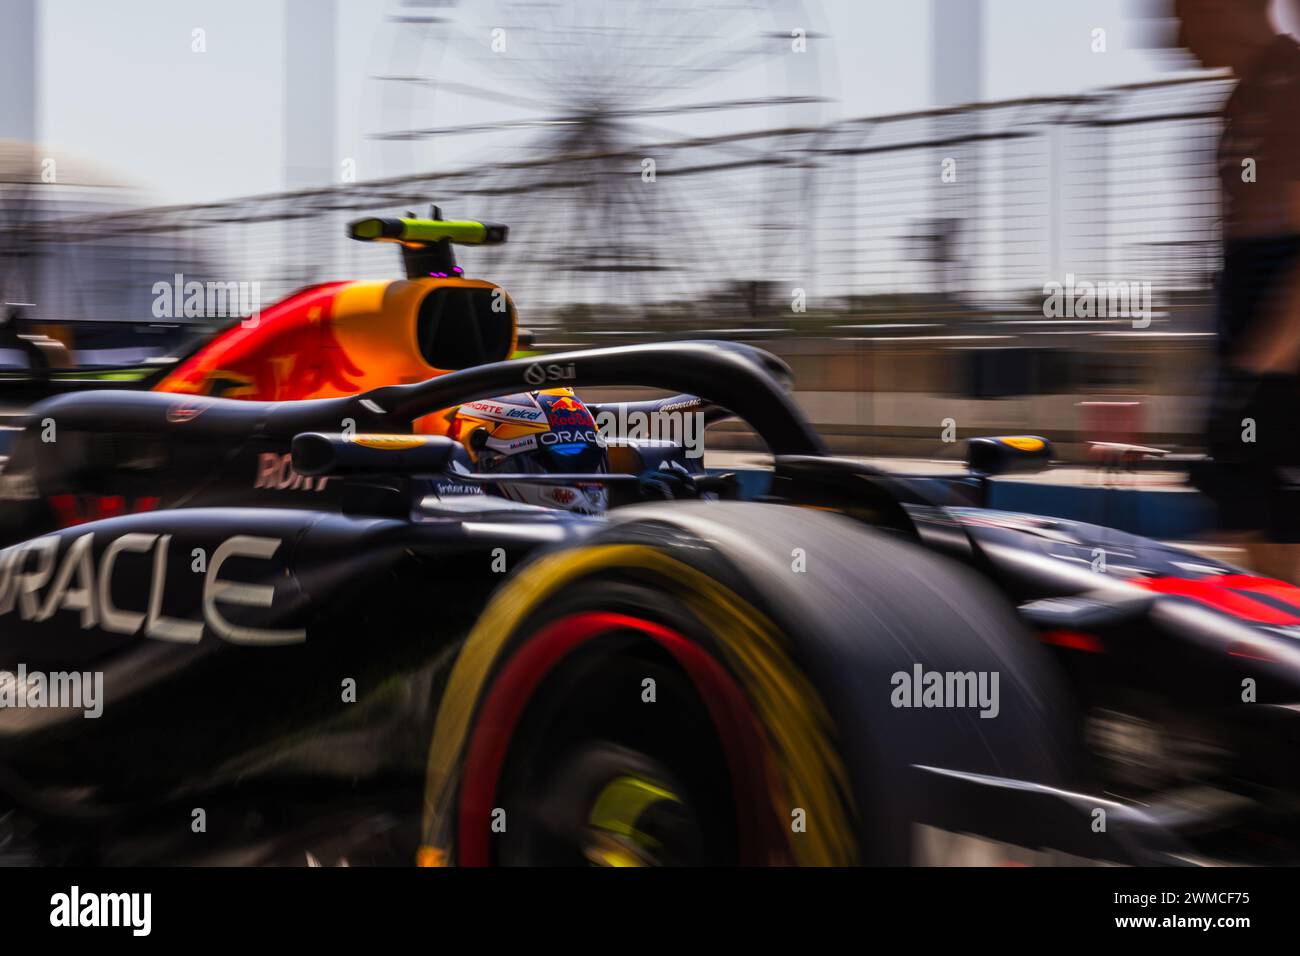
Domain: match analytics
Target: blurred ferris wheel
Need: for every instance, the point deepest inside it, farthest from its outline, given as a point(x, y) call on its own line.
point(565, 109)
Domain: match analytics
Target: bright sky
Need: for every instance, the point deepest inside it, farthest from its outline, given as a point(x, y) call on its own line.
point(120, 84)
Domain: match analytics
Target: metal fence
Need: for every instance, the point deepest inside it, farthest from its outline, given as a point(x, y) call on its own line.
point(960, 212)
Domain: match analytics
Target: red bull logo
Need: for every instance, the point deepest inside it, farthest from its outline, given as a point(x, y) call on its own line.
point(566, 412)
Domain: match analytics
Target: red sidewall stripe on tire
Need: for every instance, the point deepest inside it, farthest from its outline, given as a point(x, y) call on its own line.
point(761, 840)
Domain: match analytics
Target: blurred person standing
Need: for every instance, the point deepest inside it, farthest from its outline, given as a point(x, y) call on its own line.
point(1252, 433)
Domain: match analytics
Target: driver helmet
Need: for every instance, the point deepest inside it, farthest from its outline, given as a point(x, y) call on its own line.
point(545, 432)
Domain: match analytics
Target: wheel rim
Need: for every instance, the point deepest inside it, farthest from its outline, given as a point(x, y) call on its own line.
point(514, 688)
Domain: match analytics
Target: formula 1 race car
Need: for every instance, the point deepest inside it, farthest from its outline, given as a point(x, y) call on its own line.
point(299, 632)
point(331, 338)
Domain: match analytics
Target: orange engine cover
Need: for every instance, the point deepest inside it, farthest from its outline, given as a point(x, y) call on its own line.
point(341, 338)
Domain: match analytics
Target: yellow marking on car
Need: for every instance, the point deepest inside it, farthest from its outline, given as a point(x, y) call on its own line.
point(388, 442)
point(1023, 443)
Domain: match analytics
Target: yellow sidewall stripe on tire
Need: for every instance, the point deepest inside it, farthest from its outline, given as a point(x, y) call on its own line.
point(797, 726)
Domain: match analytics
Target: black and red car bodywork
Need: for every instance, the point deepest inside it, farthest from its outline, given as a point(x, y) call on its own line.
point(229, 565)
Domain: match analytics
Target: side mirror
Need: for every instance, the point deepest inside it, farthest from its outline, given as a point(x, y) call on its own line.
point(315, 453)
point(1008, 455)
